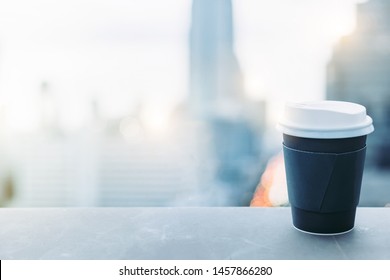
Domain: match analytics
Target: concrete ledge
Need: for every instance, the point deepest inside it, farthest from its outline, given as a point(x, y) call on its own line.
point(183, 233)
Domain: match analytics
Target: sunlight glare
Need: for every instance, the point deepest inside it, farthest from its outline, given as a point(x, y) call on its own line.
point(155, 118)
point(338, 26)
point(254, 87)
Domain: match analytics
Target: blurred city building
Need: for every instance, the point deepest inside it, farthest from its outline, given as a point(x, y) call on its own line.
point(121, 165)
point(217, 98)
point(358, 72)
point(214, 70)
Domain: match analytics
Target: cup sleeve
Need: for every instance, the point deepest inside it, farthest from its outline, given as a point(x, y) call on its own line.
point(324, 182)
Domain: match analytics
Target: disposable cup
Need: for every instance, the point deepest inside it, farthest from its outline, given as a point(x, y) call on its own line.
point(324, 147)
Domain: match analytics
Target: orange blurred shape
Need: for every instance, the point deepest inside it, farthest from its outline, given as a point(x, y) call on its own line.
point(271, 178)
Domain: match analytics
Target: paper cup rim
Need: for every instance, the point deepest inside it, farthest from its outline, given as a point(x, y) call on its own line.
point(327, 133)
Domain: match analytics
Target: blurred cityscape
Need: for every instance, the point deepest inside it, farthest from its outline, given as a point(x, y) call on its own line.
point(358, 72)
point(210, 147)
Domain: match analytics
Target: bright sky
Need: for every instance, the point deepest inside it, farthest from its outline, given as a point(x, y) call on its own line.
point(123, 52)
point(284, 46)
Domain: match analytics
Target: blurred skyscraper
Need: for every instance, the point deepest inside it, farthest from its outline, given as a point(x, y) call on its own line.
point(215, 74)
point(359, 72)
point(217, 98)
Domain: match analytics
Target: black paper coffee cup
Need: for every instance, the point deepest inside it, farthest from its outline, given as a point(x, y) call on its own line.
point(324, 146)
point(324, 178)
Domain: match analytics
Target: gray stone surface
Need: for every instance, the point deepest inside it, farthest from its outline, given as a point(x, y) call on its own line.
point(183, 233)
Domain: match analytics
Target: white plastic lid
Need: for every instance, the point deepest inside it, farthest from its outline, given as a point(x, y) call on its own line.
point(325, 120)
